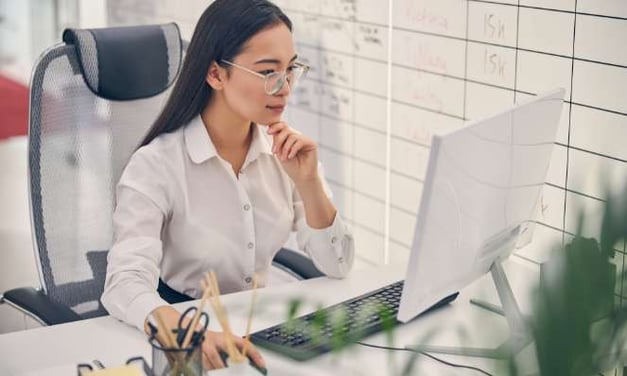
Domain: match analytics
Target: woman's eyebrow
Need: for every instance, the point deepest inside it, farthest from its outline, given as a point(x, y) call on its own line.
point(273, 61)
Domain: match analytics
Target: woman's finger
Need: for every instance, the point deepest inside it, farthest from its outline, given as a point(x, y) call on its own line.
point(214, 357)
point(239, 341)
point(279, 139)
point(206, 363)
point(295, 148)
point(255, 355)
point(276, 127)
point(288, 146)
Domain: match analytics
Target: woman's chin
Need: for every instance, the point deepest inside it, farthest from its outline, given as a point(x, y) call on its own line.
point(267, 120)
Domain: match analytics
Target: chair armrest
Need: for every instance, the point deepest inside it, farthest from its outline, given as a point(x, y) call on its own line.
point(37, 304)
point(296, 263)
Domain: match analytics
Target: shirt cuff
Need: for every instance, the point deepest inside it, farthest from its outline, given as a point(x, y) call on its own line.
point(334, 245)
point(141, 307)
point(328, 236)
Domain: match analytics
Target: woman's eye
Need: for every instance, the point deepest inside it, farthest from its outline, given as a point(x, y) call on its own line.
point(267, 71)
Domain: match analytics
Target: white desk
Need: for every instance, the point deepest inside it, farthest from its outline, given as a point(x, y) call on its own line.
point(56, 350)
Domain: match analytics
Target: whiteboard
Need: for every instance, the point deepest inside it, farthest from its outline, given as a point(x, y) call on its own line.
point(397, 72)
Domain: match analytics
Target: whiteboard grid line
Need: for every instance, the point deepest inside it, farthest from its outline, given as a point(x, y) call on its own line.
point(388, 139)
point(370, 196)
point(397, 101)
point(363, 126)
point(551, 9)
point(335, 18)
point(545, 53)
point(369, 229)
point(517, 49)
point(343, 53)
point(570, 117)
point(573, 191)
point(402, 138)
point(333, 84)
point(464, 116)
point(484, 43)
point(348, 88)
point(598, 108)
point(372, 164)
point(615, 159)
point(408, 247)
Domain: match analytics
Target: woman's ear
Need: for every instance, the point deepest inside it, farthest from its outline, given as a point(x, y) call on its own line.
point(215, 76)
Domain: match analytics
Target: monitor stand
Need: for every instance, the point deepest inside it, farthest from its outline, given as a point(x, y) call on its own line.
point(520, 335)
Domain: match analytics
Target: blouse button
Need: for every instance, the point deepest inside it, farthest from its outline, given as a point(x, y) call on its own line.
point(334, 240)
point(248, 280)
point(247, 207)
point(250, 245)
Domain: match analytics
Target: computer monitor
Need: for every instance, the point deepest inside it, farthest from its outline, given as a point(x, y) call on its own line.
point(482, 186)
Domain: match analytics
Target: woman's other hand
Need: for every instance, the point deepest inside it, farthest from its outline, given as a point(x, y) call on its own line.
point(215, 342)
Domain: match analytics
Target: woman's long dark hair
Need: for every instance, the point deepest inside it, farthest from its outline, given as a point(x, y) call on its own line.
point(221, 32)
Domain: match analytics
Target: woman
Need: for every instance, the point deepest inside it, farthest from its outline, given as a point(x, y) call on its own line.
point(220, 181)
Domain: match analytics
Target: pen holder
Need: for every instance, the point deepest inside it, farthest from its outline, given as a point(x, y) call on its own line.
point(177, 361)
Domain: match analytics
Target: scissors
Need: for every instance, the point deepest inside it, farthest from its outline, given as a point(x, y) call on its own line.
point(182, 330)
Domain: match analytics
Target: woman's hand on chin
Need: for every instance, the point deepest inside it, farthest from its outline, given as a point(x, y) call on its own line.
point(298, 154)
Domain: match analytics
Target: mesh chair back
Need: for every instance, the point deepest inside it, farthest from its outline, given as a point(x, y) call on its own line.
point(79, 143)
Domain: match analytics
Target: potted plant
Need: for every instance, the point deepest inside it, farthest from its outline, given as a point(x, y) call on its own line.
point(578, 324)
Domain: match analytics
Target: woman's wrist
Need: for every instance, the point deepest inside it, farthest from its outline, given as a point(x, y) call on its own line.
point(169, 315)
point(308, 183)
point(319, 211)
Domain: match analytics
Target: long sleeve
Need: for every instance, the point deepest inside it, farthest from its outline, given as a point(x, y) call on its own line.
point(133, 270)
point(331, 249)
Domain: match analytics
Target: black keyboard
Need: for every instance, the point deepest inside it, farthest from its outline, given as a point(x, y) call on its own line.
point(319, 332)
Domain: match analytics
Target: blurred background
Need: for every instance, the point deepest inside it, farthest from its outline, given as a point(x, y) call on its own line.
point(27, 28)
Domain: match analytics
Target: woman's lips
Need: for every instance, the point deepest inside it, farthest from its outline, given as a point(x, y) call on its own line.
point(276, 109)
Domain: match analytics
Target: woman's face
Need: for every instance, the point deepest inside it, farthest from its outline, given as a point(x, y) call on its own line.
point(270, 50)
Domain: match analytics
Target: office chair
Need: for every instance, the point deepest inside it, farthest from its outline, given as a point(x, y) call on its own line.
point(92, 100)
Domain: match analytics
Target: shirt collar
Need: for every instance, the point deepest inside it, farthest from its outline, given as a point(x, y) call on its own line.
point(200, 147)
point(259, 144)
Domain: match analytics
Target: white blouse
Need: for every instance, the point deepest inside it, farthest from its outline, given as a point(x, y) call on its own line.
point(181, 211)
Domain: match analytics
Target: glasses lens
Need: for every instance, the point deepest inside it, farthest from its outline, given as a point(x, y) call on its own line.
point(292, 77)
point(274, 82)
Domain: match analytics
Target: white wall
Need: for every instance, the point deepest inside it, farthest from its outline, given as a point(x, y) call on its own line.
point(92, 13)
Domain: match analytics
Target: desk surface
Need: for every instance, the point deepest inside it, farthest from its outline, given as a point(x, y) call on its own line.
point(57, 349)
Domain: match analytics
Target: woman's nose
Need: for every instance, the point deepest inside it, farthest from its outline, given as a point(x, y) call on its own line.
point(285, 90)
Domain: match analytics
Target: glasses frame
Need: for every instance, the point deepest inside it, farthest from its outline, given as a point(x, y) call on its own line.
point(282, 75)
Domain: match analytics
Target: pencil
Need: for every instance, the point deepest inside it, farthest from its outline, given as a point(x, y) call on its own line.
point(214, 289)
point(167, 336)
point(194, 323)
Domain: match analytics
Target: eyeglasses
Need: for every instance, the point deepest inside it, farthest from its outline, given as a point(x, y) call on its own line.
point(274, 81)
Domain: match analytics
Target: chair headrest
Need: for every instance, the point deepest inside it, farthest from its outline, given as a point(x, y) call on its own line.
point(124, 63)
